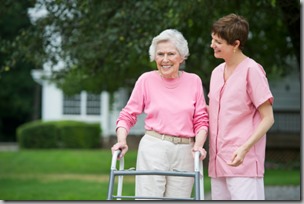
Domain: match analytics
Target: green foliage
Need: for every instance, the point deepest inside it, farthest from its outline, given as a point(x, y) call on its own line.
point(104, 44)
point(80, 135)
point(59, 134)
point(18, 90)
point(37, 135)
point(16, 43)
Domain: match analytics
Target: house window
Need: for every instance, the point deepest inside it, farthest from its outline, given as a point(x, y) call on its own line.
point(93, 104)
point(72, 105)
point(82, 104)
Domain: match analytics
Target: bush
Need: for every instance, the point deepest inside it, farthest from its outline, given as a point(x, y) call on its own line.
point(58, 134)
point(80, 135)
point(37, 135)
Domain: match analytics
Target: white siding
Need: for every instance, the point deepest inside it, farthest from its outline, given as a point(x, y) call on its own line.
point(51, 102)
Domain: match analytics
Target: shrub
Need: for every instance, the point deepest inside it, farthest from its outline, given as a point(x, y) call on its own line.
point(80, 135)
point(37, 135)
point(58, 134)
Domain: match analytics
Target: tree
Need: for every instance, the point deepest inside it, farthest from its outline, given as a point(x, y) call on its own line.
point(104, 44)
point(17, 86)
point(291, 17)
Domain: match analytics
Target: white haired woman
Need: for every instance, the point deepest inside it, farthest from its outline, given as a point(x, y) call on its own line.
point(176, 119)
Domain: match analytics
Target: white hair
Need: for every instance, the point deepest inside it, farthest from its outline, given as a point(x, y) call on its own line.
point(173, 36)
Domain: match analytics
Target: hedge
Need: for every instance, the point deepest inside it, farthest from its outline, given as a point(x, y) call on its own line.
point(59, 134)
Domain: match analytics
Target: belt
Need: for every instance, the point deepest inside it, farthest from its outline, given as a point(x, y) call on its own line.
point(170, 138)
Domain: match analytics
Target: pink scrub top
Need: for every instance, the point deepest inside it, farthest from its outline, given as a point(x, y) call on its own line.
point(233, 117)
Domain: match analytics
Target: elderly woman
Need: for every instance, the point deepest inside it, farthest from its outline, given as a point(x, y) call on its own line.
point(176, 119)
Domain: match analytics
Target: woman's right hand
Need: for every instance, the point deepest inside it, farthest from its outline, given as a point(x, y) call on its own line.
point(122, 146)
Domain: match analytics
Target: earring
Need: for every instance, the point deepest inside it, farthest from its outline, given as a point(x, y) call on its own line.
point(234, 50)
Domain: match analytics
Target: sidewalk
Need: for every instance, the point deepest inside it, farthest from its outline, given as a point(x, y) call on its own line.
point(8, 146)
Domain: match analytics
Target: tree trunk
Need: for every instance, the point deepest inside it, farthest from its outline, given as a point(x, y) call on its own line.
point(37, 103)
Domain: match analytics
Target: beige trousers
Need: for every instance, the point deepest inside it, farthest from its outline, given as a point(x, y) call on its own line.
point(156, 154)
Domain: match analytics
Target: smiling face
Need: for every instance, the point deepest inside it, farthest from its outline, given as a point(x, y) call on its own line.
point(168, 59)
point(221, 48)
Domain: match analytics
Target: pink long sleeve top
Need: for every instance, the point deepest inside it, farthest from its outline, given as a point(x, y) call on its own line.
point(172, 106)
point(233, 115)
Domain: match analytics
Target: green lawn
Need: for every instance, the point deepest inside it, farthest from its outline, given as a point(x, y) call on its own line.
point(80, 175)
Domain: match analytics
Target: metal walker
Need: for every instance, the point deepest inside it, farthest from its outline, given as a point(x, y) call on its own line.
point(197, 174)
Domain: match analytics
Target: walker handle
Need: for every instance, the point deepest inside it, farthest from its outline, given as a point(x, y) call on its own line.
point(198, 167)
point(121, 167)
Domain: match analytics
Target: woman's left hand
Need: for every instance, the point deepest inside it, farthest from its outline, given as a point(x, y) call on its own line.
point(201, 150)
point(238, 157)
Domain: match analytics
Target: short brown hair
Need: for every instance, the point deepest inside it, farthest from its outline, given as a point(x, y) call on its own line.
point(231, 28)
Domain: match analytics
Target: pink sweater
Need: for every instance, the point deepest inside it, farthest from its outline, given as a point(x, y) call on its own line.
point(172, 106)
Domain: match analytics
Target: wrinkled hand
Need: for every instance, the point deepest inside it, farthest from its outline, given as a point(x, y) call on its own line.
point(120, 146)
point(201, 150)
point(237, 157)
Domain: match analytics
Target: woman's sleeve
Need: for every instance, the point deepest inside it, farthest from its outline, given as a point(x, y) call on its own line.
point(135, 105)
point(200, 118)
point(258, 87)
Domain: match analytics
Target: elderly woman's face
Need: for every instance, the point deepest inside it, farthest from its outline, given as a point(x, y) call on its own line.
point(167, 59)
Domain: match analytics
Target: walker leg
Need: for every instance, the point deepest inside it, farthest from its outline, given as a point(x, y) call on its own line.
point(111, 184)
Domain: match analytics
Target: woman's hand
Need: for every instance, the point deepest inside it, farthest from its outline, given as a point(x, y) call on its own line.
point(238, 157)
point(199, 143)
point(121, 142)
point(201, 150)
point(122, 146)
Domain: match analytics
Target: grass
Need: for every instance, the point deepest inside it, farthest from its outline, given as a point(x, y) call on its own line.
point(80, 175)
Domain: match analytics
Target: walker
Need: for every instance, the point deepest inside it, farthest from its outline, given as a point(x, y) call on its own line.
point(197, 174)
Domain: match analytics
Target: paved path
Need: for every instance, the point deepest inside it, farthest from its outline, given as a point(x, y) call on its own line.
point(8, 146)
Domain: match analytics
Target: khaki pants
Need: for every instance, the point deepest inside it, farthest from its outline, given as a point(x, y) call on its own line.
point(156, 154)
